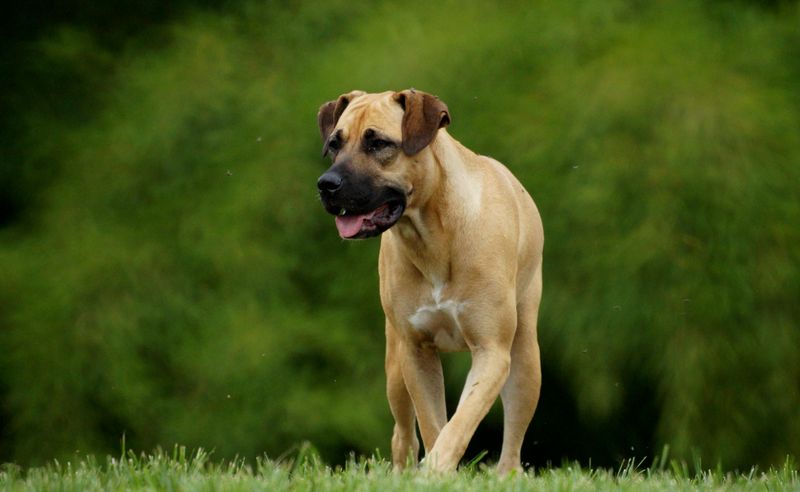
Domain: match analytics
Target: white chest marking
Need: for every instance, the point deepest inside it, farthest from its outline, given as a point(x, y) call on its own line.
point(441, 320)
point(425, 314)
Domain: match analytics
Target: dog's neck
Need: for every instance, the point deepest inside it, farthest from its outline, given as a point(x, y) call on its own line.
point(449, 191)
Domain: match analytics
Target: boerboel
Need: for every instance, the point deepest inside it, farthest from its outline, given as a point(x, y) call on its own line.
point(460, 267)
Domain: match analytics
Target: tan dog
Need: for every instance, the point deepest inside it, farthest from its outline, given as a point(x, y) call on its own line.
point(460, 267)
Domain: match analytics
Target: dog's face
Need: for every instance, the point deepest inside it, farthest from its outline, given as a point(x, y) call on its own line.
point(373, 140)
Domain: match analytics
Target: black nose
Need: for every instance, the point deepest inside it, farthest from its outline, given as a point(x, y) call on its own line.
point(329, 182)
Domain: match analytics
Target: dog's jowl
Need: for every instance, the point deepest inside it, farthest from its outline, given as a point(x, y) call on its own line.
point(460, 267)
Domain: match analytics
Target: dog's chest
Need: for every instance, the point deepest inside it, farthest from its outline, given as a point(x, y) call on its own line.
point(438, 319)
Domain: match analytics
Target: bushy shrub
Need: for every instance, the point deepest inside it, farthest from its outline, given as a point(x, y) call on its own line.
point(172, 276)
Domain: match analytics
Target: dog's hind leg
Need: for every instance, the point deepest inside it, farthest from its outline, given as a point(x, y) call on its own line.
point(521, 391)
point(405, 445)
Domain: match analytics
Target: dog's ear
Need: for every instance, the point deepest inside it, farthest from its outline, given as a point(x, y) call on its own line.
point(329, 114)
point(424, 115)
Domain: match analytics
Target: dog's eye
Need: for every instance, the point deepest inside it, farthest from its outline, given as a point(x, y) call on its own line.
point(334, 144)
point(377, 144)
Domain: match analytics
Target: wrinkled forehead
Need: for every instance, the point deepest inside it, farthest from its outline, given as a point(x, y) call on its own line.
point(379, 112)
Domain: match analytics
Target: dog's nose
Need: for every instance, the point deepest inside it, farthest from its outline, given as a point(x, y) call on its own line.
point(329, 182)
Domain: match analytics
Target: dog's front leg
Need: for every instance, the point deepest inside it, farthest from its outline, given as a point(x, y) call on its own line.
point(405, 445)
point(489, 371)
point(422, 372)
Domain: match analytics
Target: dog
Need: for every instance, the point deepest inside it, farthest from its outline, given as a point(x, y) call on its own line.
point(460, 267)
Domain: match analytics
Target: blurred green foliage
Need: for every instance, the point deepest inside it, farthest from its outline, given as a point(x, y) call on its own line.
point(166, 271)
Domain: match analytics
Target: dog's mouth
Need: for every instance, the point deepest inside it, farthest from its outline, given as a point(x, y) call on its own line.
point(361, 225)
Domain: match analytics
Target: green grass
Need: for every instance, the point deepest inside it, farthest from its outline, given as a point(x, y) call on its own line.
point(180, 470)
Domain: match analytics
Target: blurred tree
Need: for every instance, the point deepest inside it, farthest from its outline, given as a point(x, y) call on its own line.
point(167, 272)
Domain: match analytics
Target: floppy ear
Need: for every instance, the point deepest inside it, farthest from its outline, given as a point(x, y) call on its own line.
point(329, 114)
point(424, 115)
point(325, 119)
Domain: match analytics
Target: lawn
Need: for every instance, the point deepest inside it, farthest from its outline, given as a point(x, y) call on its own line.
point(181, 470)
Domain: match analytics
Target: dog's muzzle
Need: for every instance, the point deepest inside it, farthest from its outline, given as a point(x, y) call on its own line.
point(362, 210)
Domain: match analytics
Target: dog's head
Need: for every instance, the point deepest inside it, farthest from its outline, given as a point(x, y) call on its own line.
point(373, 141)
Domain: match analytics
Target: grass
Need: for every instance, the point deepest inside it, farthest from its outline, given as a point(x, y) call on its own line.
point(180, 470)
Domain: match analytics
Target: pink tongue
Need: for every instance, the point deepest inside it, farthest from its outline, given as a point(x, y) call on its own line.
point(350, 225)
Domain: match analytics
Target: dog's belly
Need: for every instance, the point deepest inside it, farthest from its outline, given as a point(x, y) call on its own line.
point(439, 324)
